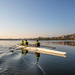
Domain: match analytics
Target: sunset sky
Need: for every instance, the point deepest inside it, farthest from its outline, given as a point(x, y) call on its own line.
point(33, 18)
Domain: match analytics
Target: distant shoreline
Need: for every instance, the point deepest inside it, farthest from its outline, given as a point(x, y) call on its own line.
point(37, 39)
point(63, 37)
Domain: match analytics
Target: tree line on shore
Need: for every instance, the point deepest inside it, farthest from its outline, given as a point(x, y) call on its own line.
point(63, 37)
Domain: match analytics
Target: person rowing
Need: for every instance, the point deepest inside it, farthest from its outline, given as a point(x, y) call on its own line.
point(24, 43)
point(37, 44)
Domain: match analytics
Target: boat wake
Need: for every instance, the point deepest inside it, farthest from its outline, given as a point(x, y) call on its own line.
point(3, 68)
point(41, 69)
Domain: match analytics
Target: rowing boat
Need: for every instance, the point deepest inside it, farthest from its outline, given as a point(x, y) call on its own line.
point(43, 50)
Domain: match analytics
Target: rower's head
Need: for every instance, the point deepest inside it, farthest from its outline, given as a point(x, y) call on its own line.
point(25, 40)
point(36, 40)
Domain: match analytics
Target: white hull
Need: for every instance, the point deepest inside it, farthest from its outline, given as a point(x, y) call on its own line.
point(44, 50)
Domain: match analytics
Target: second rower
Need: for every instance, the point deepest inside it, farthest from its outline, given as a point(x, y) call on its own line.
point(26, 43)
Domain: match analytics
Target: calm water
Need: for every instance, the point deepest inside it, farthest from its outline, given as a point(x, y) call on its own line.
point(15, 63)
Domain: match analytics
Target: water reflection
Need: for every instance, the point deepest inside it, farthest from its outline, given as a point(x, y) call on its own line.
point(37, 56)
point(70, 43)
point(24, 51)
point(18, 64)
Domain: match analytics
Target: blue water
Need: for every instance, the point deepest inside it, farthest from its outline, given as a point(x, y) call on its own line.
point(16, 63)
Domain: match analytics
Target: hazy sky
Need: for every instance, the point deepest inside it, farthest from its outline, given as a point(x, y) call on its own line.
point(32, 18)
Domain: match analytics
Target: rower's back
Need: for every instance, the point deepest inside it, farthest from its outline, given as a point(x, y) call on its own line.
point(37, 44)
point(26, 42)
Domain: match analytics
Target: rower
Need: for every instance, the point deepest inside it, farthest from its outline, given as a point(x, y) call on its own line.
point(26, 42)
point(22, 42)
point(37, 44)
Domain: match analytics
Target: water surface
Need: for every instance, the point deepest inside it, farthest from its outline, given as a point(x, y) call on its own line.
point(16, 63)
